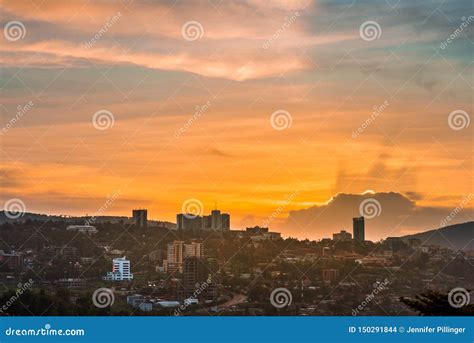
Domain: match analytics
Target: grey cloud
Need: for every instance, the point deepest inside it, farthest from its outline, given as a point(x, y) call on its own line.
point(399, 215)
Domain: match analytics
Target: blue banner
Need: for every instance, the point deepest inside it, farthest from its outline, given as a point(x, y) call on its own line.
point(237, 329)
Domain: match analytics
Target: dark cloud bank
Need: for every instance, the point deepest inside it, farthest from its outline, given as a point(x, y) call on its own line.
point(399, 215)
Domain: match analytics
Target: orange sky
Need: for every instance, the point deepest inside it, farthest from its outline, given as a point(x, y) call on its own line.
point(315, 67)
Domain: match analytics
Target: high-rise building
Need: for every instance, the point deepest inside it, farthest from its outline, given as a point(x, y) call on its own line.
point(177, 251)
point(198, 279)
point(207, 222)
point(215, 221)
point(120, 270)
point(225, 221)
point(358, 227)
point(180, 221)
point(188, 222)
point(140, 218)
point(174, 257)
point(193, 250)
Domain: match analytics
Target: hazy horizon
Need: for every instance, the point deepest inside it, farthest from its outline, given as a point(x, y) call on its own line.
point(381, 225)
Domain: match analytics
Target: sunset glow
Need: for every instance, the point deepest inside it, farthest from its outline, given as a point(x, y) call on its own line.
point(192, 117)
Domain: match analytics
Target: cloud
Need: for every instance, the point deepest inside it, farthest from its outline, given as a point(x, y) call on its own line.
point(220, 153)
point(247, 221)
point(150, 35)
point(282, 4)
point(230, 19)
point(10, 178)
point(384, 173)
point(398, 215)
point(230, 67)
point(317, 68)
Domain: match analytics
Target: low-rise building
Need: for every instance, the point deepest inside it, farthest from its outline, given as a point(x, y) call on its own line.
point(146, 306)
point(330, 275)
point(135, 299)
point(374, 261)
point(71, 282)
point(82, 228)
point(342, 236)
point(12, 261)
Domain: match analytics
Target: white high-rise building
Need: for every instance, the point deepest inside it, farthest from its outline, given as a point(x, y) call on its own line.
point(120, 270)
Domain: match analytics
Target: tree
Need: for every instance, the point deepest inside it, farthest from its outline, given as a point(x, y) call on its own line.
point(432, 303)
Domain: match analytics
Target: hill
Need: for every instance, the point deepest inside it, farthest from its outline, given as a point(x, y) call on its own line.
point(80, 220)
point(458, 236)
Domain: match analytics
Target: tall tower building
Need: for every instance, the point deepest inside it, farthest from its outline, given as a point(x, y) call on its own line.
point(174, 257)
point(358, 227)
point(186, 222)
point(225, 221)
point(180, 221)
point(198, 279)
point(176, 251)
point(140, 218)
point(216, 220)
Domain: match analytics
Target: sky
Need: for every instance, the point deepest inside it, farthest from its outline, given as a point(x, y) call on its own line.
point(268, 110)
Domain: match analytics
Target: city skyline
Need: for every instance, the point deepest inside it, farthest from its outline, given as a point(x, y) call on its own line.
point(192, 217)
point(276, 111)
point(237, 158)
